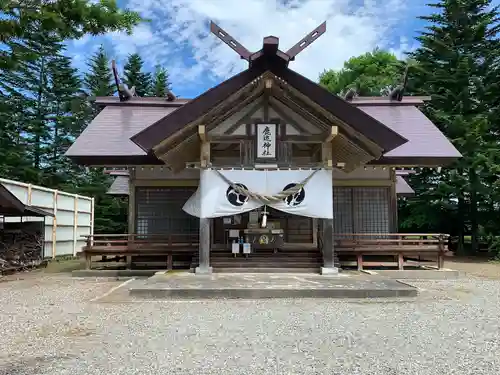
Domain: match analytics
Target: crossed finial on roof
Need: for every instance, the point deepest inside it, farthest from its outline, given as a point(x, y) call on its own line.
point(270, 44)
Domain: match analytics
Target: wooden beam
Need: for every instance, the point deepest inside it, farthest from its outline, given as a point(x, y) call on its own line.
point(233, 107)
point(326, 154)
point(222, 110)
point(290, 138)
point(205, 154)
point(301, 104)
point(306, 41)
point(287, 118)
point(202, 133)
point(334, 132)
point(280, 95)
point(230, 41)
point(246, 117)
point(326, 137)
point(320, 121)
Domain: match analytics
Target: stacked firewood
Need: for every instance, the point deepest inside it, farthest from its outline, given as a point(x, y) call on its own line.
point(20, 250)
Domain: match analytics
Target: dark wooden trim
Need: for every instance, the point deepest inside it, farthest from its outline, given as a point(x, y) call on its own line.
point(265, 108)
point(210, 120)
point(415, 161)
point(354, 117)
point(230, 41)
point(119, 160)
point(319, 120)
point(246, 117)
point(175, 121)
point(321, 124)
point(374, 130)
point(288, 119)
point(234, 109)
point(9, 201)
point(306, 41)
point(229, 138)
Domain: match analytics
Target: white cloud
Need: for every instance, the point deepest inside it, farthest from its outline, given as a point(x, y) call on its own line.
point(179, 36)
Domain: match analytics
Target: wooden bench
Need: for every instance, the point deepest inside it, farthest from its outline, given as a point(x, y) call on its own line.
point(139, 245)
point(392, 244)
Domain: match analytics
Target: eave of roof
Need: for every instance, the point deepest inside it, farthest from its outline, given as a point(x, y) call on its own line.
point(168, 125)
point(120, 186)
point(403, 189)
point(108, 136)
point(10, 205)
point(338, 107)
point(162, 102)
point(139, 101)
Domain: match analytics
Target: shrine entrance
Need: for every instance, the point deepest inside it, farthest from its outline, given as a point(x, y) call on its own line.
point(297, 231)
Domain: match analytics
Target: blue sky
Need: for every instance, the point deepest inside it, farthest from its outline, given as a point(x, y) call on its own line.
point(178, 35)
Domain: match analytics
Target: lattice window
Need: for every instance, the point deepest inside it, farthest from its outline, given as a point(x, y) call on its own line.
point(371, 209)
point(159, 211)
point(361, 210)
point(342, 211)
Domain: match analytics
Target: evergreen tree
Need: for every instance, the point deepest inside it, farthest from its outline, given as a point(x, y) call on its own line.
point(14, 161)
point(27, 87)
point(459, 50)
point(64, 121)
point(100, 81)
point(59, 18)
point(110, 211)
point(135, 76)
point(160, 82)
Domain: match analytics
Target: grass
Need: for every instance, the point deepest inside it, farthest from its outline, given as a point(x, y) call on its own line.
point(65, 265)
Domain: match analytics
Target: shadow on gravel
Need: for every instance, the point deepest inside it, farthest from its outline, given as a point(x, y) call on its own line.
point(30, 365)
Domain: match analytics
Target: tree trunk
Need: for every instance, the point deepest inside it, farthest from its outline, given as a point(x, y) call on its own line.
point(473, 178)
point(39, 116)
point(461, 224)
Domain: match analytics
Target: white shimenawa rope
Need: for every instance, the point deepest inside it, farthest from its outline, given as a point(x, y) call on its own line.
point(266, 199)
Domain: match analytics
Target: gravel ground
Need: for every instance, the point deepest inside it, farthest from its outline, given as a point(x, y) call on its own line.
point(474, 267)
point(50, 325)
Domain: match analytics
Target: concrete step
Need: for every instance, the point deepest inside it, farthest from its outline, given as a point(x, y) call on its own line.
point(264, 262)
point(252, 258)
point(266, 270)
point(264, 265)
point(270, 257)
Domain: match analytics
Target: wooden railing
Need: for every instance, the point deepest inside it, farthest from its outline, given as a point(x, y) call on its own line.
point(400, 245)
point(128, 245)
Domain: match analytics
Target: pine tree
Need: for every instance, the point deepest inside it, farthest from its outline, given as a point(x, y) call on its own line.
point(61, 19)
point(110, 212)
point(14, 160)
point(27, 88)
point(64, 121)
point(160, 82)
point(134, 75)
point(100, 81)
point(458, 51)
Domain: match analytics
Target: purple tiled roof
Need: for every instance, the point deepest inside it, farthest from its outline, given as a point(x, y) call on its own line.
point(424, 138)
point(109, 133)
point(120, 186)
point(402, 187)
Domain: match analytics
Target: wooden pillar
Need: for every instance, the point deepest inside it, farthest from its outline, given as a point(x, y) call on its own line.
point(393, 204)
point(327, 224)
point(204, 240)
point(204, 248)
point(131, 213)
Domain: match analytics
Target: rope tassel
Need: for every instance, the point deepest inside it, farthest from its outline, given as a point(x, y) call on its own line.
point(267, 199)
